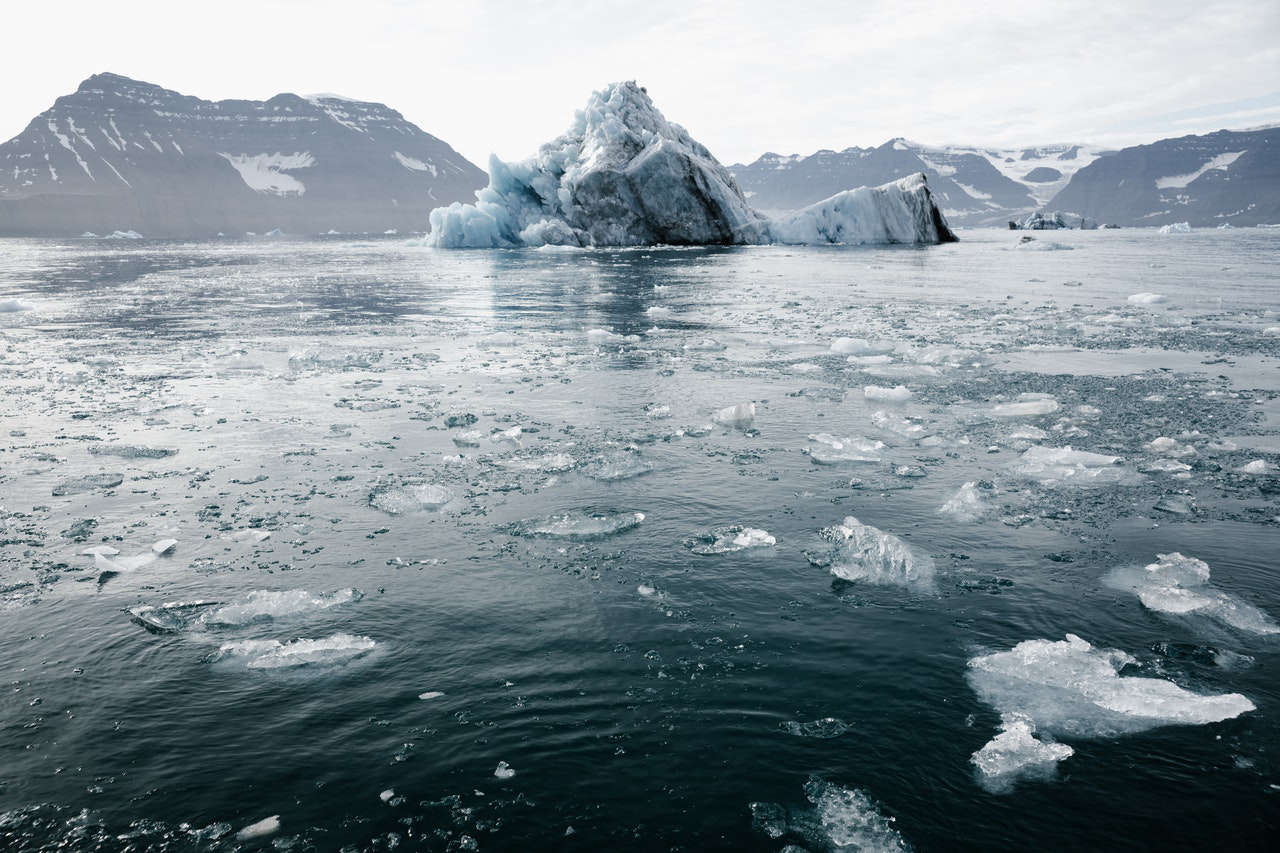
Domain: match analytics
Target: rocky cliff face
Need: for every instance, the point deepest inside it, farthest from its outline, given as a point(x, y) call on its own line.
point(119, 154)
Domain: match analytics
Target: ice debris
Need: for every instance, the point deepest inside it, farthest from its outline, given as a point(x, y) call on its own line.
point(1176, 228)
point(880, 394)
point(828, 449)
point(578, 525)
point(726, 540)
point(504, 771)
point(837, 818)
point(274, 654)
point(1064, 466)
point(741, 416)
point(1179, 585)
point(1016, 751)
point(966, 504)
point(397, 500)
point(1147, 298)
point(864, 553)
point(259, 829)
point(1027, 405)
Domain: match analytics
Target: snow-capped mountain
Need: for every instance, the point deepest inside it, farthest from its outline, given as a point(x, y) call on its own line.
point(622, 175)
point(974, 185)
point(119, 154)
point(1225, 177)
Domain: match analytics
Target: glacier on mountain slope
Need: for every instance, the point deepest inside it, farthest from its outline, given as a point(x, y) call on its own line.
point(622, 175)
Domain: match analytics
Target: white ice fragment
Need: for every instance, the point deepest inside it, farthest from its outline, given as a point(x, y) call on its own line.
point(1016, 749)
point(1166, 446)
point(397, 500)
point(726, 540)
point(966, 504)
point(828, 449)
point(658, 312)
point(741, 416)
point(263, 605)
point(273, 654)
point(578, 525)
point(865, 553)
point(1147, 298)
point(164, 546)
point(504, 771)
point(258, 829)
point(431, 694)
point(861, 346)
point(386, 795)
point(104, 550)
point(604, 337)
point(1179, 585)
point(878, 393)
point(1176, 228)
point(1257, 467)
point(1064, 466)
point(1027, 405)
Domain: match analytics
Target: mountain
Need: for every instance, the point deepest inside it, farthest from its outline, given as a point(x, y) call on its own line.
point(622, 175)
point(1224, 177)
point(120, 154)
point(974, 186)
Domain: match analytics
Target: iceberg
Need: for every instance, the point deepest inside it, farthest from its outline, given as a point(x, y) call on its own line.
point(622, 175)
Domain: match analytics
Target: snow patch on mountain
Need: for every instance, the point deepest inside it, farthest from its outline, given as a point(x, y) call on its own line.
point(1221, 161)
point(267, 173)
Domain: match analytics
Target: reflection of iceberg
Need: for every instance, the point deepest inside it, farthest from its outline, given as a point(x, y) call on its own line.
point(623, 175)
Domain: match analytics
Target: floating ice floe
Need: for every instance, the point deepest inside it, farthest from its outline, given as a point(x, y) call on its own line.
point(866, 554)
point(725, 540)
point(603, 337)
point(87, 483)
point(256, 607)
point(622, 175)
point(1256, 468)
point(548, 463)
point(578, 525)
point(1026, 406)
point(1070, 688)
point(260, 829)
point(1166, 446)
point(621, 465)
point(741, 416)
point(1016, 752)
point(1147, 298)
point(431, 694)
point(863, 347)
point(828, 449)
point(966, 504)
point(504, 771)
point(837, 818)
point(1179, 585)
point(909, 428)
point(397, 500)
point(274, 654)
point(1176, 228)
point(1064, 466)
point(878, 393)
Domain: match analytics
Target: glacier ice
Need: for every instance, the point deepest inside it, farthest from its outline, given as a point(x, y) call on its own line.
point(274, 654)
point(966, 504)
point(264, 605)
point(622, 175)
point(1016, 750)
point(1146, 298)
point(1179, 585)
point(1064, 466)
point(1176, 228)
point(578, 525)
point(726, 540)
point(861, 552)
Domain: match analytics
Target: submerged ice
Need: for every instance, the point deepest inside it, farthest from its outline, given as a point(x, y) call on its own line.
point(622, 175)
point(836, 818)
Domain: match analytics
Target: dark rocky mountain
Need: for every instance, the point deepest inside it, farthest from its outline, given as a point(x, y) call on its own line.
point(121, 155)
point(1228, 177)
point(974, 186)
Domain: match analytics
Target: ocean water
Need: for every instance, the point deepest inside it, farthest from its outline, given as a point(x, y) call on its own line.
point(564, 550)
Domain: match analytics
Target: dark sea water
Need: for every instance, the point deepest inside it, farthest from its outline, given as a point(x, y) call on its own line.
point(392, 472)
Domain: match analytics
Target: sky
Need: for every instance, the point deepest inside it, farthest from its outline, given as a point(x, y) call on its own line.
point(744, 77)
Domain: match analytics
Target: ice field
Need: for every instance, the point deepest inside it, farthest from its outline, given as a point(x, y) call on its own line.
point(355, 544)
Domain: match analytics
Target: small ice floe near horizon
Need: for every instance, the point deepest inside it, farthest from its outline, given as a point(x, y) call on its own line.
point(726, 540)
point(881, 394)
point(741, 416)
point(1029, 243)
point(398, 500)
point(1147, 298)
point(123, 235)
point(1065, 466)
point(1026, 406)
point(577, 525)
point(862, 553)
point(658, 312)
point(1175, 228)
point(274, 654)
point(836, 818)
point(1069, 688)
point(820, 729)
point(828, 449)
point(1179, 586)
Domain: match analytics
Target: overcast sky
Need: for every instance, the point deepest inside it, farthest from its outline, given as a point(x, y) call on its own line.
point(744, 77)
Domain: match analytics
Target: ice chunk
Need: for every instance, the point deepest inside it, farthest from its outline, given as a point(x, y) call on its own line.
point(861, 347)
point(1027, 405)
point(617, 466)
point(1179, 585)
point(88, 483)
point(725, 540)
point(273, 654)
point(877, 393)
point(909, 428)
point(265, 605)
point(966, 504)
point(828, 449)
point(104, 550)
point(431, 694)
point(164, 546)
point(1016, 751)
point(259, 829)
point(1176, 228)
point(864, 553)
point(1069, 687)
point(171, 617)
point(578, 525)
point(603, 337)
point(741, 416)
point(1166, 446)
point(397, 500)
point(1256, 468)
point(838, 819)
point(1063, 466)
point(622, 175)
point(1147, 298)
point(504, 771)
point(130, 451)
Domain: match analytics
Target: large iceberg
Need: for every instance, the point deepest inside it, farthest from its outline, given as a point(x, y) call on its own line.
point(622, 175)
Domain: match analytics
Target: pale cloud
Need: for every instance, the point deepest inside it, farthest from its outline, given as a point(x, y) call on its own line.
point(744, 77)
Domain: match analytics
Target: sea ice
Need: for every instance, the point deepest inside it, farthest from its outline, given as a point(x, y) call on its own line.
point(1179, 585)
point(1027, 405)
point(578, 525)
point(397, 500)
point(1166, 446)
point(88, 483)
point(861, 347)
point(1147, 298)
point(863, 553)
point(617, 466)
point(828, 449)
point(901, 211)
point(264, 605)
point(266, 826)
point(1176, 228)
point(9, 306)
point(878, 393)
point(1015, 751)
point(741, 416)
point(273, 654)
point(1063, 466)
point(504, 771)
point(725, 540)
point(164, 546)
point(1255, 468)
